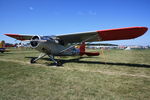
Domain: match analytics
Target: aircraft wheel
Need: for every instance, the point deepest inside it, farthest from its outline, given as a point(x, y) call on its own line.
point(32, 60)
point(59, 63)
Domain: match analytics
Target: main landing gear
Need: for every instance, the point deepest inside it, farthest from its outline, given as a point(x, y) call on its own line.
point(33, 60)
point(58, 62)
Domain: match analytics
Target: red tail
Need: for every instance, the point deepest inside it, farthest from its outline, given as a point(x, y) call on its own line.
point(82, 47)
point(82, 51)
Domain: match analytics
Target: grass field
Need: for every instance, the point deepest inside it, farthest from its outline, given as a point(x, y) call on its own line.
point(114, 75)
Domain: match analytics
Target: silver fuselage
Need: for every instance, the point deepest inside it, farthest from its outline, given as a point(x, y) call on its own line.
point(52, 47)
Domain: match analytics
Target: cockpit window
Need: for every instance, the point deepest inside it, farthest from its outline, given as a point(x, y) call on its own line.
point(46, 38)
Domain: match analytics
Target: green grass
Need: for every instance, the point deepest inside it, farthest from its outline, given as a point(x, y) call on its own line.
point(115, 75)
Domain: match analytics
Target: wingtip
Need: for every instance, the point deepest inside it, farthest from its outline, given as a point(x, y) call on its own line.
point(142, 30)
point(6, 34)
point(122, 33)
point(9, 34)
point(145, 29)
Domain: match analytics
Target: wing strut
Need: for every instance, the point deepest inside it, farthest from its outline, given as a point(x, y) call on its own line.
point(81, 42)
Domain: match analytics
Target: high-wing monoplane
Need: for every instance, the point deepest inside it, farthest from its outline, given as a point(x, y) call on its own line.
point(64, 45)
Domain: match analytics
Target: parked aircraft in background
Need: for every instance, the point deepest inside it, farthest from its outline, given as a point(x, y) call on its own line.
point(59, 45)
point(2, 46)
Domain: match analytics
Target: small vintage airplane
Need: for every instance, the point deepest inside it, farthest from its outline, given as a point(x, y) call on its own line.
point(60, 45)
point(2, 47)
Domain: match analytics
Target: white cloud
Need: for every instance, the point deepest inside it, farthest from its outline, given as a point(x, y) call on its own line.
point(92, 12)
point(80, 13)
point(31, 8)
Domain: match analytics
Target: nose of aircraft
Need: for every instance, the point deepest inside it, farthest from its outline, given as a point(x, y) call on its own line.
point(34, 41)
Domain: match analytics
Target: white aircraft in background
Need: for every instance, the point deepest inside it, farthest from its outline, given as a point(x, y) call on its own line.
point(59, 45)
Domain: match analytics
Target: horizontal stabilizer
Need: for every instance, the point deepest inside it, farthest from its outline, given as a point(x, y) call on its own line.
point(92, 53)
point(83, 52)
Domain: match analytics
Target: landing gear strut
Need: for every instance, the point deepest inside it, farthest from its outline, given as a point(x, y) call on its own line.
point(33, 60)
point(58, 62)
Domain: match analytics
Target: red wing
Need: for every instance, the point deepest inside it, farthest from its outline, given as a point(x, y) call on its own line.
point(121, 33)
point(104, 35)
point(20, 37)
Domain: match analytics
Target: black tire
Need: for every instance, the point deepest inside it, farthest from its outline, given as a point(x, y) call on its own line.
point(59, 63)
point(32, 60)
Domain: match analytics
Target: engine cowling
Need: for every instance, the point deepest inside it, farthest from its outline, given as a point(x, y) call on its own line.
point(35, 41)
point(44, 44)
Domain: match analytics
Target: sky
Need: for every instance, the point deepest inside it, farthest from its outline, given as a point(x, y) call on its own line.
point(54, 17)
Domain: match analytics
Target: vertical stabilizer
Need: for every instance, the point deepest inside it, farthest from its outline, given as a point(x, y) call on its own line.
point(82, 47)
point(83, 52)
